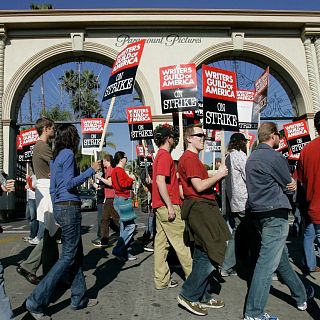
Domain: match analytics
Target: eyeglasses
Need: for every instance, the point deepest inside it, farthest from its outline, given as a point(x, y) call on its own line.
point(277, 134)
point(200, 135)
point(125, 158)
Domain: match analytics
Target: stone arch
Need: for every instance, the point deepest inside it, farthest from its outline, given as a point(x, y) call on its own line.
point(268, 56)
point(53, 56)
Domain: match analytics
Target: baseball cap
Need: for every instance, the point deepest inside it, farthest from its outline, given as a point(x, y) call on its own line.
point(238, 137)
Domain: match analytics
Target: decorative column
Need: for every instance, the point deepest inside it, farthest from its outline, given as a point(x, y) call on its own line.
point(312, 74)
point(2, 47)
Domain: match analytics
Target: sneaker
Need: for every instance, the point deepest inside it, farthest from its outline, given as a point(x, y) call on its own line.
point(194, 307)
point(27, 239)
point(131, 257)
point(149, 247)
point(275, 277)
point(90, 303)
point(40, 316)
point(303, 307)
point(99, 243)
point(213, 303)
point(34, 241)
point(172, 284)
point(227, 273)
point(265, 317)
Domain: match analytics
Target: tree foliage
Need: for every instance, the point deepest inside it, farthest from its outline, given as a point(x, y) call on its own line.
point(82, 89)
point(56, 114)
point(41, 6)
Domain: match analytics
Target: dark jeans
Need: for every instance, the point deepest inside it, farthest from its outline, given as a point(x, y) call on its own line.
point(69, 218)
point(99, 218)
point(50, 251)
point(108, 213)
point(197, 287)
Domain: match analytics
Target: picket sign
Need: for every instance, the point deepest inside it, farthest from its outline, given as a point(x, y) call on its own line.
point(248, 142)
point(104, 132)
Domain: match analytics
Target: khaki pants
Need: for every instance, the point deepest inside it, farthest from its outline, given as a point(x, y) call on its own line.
point(169, 233)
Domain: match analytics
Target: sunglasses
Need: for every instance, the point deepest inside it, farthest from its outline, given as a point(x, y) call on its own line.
point(277, 134)
point(200, 135)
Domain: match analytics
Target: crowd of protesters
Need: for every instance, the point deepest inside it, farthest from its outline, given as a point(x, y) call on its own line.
point(183, 203)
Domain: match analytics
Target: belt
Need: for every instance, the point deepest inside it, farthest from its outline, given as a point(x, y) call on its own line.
point(68, 203)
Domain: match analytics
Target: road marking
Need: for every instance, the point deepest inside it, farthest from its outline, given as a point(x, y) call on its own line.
point(19, 228)
point(9, 239)
point(17, 231)
point(6, 227)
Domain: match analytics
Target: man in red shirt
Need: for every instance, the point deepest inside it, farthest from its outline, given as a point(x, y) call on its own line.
point(308, 171)
point(166, 203)
point(206, 226)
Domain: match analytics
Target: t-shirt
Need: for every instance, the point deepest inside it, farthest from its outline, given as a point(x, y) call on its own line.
point(108, 190)
point(163, 165)
point(42, 154)
point(121, 182)
point(190, 167)
point(308, 170)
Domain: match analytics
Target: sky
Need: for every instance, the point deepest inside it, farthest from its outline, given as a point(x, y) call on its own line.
point(203, 4)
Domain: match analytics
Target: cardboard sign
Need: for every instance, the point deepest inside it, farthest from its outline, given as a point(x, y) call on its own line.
point(297, 135)
point(213, 141)
point(283, 146)
point(28, 139)
point(245, 107)
point(178, 86)
point(144, 155)
point(124, 71)
point(140, 122)
point(20, 154)
point(91, 129)
point(260, 99)
point(219, 89)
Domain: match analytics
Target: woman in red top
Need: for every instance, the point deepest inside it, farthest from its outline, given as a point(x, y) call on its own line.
point(122, 185)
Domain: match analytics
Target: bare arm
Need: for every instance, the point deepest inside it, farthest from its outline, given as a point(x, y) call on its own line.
point(201, 185)
point(162, 186)
point(107, 182)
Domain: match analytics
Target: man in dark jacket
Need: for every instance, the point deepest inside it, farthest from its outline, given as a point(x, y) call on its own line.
point(268, 183)
point(206, 225)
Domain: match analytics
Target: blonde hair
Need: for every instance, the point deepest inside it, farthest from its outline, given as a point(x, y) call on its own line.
point(265, 131)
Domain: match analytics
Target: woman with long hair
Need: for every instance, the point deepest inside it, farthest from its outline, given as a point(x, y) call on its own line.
point(64, 182)
point(122, 185)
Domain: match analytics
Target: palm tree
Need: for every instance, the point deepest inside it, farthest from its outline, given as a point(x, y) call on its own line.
point(56, 114)
point(41, 6)
point(82, 89)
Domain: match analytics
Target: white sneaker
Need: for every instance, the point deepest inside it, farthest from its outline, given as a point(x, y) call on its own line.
point(34, 241)
point(303, 307)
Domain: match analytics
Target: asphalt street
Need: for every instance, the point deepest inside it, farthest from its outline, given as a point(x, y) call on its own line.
point(126, 290)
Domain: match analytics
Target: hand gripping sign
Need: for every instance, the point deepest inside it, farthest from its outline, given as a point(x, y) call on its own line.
point(140, 122)
point(219, 99)
point(178, 86)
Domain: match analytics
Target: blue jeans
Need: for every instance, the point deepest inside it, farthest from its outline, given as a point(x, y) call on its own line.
point(71, 258)
point(40, 229)
point(5, 307)
point(31, 215)
point(230, 255)
point(126, 232)
point(273, 256)
point(197, 286)
point(308, 240)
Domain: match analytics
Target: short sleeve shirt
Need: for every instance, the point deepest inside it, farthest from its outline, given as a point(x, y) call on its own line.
point(108, 190)
point(163, 165)
point(190, 167)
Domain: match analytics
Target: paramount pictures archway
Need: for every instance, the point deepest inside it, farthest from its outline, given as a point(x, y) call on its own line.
point(32, 42)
